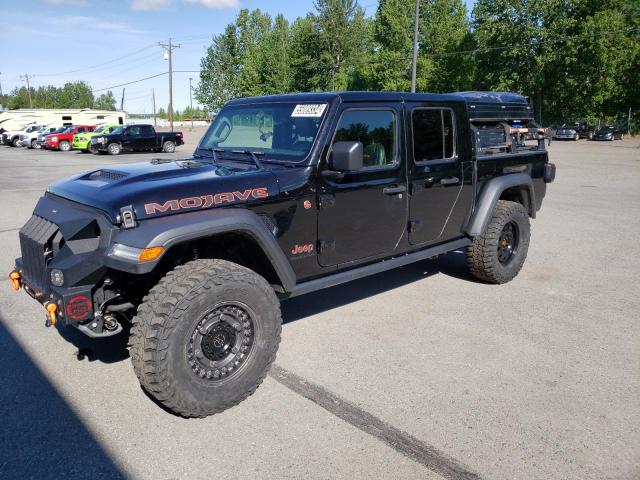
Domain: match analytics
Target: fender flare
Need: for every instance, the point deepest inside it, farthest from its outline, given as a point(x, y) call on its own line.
point(489, 196)
point(171, 230)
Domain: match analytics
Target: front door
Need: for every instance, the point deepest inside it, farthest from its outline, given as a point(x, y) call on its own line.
point(436, 178)
point(364, 214)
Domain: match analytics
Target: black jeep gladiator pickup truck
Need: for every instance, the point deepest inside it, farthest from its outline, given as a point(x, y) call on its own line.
point(284, 195)
point(135, 138)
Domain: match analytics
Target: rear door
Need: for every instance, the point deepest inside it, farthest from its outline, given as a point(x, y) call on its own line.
point(148, 139)
point(364, 214)
point(436, 176)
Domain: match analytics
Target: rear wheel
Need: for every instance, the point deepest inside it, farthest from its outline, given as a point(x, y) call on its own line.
point(168, 147)
point(64, 146)
point(114, 149)
point(205, 337)
point(498, 255)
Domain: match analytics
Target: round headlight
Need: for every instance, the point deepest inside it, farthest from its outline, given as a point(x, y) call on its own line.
point(57, 277)
point(53, 139)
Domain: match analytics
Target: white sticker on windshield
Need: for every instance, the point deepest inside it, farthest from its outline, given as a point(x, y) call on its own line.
point(309, 110)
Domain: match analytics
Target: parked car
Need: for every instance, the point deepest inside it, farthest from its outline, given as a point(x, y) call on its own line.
point(62, 141)
point(42, 137)
point(133, 138)
point(195, 255)
point(608, 133)
point(12, 137)
point(82, 141)
point(30, 140)
point(574, 131)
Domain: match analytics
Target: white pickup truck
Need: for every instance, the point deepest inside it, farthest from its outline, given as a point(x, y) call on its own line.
point(12, 137)
point(30, 139)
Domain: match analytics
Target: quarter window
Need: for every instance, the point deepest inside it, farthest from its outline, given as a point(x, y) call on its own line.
point(375, 129)
point(433, 134)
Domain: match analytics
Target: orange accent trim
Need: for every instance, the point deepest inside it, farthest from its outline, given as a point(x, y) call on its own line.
point(51, 310)
point(15, 280)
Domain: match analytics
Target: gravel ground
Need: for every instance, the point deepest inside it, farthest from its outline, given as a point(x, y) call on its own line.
point(417, 373)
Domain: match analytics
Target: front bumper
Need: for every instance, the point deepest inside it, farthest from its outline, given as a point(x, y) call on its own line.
point(565, 136)
point(80, 145)
point(69, 239)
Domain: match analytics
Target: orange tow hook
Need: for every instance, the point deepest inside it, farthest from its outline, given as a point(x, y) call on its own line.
point(51, 310)
point(15, 280)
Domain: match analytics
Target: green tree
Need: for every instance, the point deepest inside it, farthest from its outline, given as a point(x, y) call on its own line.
point(105, 101)
point(343, 35)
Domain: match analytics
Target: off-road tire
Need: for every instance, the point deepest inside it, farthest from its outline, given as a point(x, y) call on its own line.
point(168, 147)
point(482, 254)
point(167, 320)
point(114, 149)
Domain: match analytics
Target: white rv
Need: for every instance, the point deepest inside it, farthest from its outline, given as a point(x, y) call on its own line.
point(18, 119)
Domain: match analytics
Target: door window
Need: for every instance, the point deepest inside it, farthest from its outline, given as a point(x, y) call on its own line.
point(433, 134)
point(376, 130)
point(147, 130)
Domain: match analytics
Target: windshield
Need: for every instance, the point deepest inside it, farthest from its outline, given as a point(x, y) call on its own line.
point(285, 131)
point(100, 129)
point(117, 131)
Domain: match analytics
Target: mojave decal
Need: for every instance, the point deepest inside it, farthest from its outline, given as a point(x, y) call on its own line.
point(205, 201)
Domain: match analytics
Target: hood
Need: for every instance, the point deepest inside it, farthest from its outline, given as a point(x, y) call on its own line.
point(165, 187)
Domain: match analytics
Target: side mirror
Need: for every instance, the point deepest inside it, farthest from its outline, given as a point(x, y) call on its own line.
point(346, 156)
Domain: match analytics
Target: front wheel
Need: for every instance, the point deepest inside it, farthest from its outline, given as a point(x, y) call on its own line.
point(64, 146)
point(498, 255)
point(34, 144)
point(114, 149)
point(205, 337)
point(168, 147)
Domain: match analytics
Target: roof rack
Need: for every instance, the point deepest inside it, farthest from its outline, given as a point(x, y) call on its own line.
point(492, 106)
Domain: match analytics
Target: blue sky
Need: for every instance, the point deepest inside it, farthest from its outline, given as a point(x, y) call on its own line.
point(63, 40)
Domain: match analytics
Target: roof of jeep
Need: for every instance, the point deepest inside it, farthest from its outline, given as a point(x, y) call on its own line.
point(461, 97)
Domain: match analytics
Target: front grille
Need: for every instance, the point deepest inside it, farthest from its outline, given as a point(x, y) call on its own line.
point(35, 240)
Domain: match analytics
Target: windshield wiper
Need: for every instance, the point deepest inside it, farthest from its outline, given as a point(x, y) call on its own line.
point(253, 155)
point(214, 152)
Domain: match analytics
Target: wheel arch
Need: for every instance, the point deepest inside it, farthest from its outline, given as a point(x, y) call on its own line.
point(516, 187)
point(233, 234)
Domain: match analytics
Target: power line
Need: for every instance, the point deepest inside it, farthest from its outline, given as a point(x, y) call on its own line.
point(534, 43)
point(91, 67)
point(130, 83)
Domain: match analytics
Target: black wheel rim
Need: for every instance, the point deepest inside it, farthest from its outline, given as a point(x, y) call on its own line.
point(508, 243)
point(221, 342)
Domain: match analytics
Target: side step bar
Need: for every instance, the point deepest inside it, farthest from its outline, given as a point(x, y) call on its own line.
point(378, 267)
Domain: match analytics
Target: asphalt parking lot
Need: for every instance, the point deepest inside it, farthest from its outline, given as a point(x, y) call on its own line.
point(417, 373)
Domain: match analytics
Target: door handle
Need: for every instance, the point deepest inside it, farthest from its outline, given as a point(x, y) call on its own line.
point(449, 181)
point(394, 190)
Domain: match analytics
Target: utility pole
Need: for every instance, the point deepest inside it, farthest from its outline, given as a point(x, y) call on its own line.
point(415, 48)
point(0, 86)
point(122, 100)
point(629, 122)
point(191, 101)
point(169, 48)
point(153, 96)
point(26, 77)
